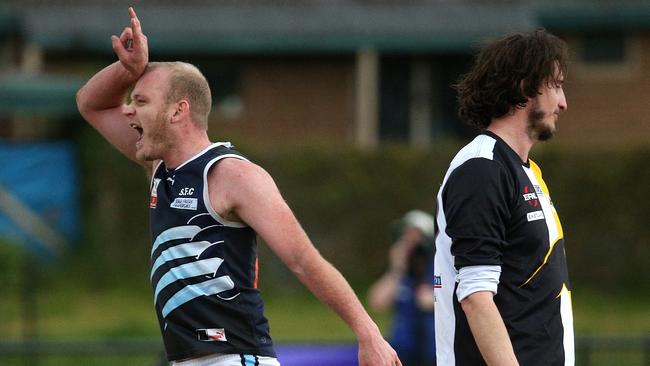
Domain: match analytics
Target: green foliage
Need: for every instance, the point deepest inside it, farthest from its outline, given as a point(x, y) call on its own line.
point(115, 236)
point(346, 198)
point(12, 260)
point(603, 207)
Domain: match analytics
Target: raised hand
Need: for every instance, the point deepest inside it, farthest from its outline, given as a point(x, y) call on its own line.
point(131, 47)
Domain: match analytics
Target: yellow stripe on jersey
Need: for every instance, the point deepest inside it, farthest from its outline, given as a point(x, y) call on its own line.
point(537, 172)
point(541, 265)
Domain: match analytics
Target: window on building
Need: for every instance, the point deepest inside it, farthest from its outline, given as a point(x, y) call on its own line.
point(603, 48)
point(398, 114)
point(394, 98)
point(449, 69)
point(607, 55)
point(224, 77)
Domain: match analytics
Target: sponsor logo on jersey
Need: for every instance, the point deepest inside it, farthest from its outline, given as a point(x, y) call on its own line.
point(184, 203)
point(535, 215)
point(212, 335)
point(530, 196)
point(437, 282)
point(153, 201)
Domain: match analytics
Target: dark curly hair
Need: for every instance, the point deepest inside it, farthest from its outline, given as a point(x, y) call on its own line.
point(507, 72)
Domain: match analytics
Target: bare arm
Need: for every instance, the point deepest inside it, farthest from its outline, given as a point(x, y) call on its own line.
point(488, 329)
point(245, 192)
point(101, 99)
point(383, 292)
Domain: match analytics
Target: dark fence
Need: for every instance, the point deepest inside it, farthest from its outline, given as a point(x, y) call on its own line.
point(590, 351)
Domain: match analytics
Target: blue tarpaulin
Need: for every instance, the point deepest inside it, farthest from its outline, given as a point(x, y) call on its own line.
point(38, 196)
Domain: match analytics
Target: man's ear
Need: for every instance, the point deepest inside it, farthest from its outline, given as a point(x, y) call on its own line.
point(181, 111)
point(522, 90)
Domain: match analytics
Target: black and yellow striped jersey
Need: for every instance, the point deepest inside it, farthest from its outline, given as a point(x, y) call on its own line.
point(498, 231)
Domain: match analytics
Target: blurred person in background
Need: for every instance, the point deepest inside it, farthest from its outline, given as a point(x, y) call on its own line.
point(502, 287)
point(207, 205)
point(406, 289)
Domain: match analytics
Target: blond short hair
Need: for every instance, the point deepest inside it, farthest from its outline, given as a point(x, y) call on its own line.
point(187, 82)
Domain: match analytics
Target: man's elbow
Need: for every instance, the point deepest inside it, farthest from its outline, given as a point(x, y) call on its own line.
point(81, 101)
point(304, 262)
point(475, 301)
point(85, 107)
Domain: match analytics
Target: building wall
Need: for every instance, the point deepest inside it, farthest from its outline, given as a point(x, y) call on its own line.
point(310, 100)
point(292, 100)
point(608, 106)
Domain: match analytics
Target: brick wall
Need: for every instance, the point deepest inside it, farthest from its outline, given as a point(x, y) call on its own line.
point(609, 106)
point(301, 101)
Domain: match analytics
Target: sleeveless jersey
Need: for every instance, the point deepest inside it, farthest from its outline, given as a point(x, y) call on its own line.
point(203, 267)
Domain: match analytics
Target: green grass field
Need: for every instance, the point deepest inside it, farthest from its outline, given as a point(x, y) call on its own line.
point(71, 313)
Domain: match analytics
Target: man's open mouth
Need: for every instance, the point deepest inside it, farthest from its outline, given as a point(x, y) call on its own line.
point(138, 129)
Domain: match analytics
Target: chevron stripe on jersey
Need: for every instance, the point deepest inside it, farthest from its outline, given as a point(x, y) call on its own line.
point(175, 233)
point(191, 249)
point(205, 267)
point(190, 292)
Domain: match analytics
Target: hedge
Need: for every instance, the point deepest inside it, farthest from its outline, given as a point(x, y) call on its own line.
point(346, 198)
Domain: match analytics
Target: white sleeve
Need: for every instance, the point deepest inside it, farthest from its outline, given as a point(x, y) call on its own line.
point(473, 279)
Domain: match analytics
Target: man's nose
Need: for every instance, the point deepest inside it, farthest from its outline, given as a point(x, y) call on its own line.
point(128, 110)
point(562, 104)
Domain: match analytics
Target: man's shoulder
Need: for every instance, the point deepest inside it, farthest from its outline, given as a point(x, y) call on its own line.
point(234, 170)
point(479, 154)
point(482, 151)
point(480, 163)
point(478, 171)
point(232, 165)
point(224, 149)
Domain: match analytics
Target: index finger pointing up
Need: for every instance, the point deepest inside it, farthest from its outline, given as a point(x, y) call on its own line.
point(135, 25)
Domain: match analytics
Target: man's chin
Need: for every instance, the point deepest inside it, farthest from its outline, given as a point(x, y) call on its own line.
point(143, 157)
point(540, 131)
point(545, 136)
point(546, 133)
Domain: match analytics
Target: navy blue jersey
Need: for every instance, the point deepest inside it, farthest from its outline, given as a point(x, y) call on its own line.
point(203, 267)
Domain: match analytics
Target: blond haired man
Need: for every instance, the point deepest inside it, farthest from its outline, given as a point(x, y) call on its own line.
point(208, 203)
